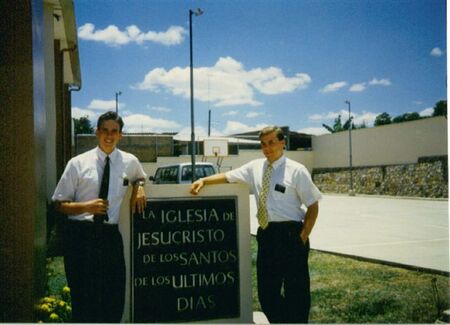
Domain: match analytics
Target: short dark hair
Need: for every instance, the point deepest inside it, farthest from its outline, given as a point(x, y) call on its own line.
point(110, 115)
point(269, 129)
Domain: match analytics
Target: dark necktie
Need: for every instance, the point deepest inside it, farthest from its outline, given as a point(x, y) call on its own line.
point(104, 190)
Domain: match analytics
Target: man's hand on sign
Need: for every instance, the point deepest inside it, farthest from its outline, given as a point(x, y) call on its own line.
point(197, 186)
point(138, 199)
point(212, 179)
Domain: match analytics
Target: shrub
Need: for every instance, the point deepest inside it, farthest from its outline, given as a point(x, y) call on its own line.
point(55, 309)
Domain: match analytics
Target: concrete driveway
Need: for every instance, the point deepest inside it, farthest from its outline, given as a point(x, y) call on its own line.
point(410, 232)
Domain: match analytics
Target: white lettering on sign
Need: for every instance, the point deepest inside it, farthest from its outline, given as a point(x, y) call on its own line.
point(195, 303)
point(184, 216)
point(180, 237)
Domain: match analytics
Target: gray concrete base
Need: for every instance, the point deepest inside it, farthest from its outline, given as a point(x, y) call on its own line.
point(260, 318)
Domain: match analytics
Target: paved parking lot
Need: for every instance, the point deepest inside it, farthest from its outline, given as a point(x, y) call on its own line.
point(412, 232)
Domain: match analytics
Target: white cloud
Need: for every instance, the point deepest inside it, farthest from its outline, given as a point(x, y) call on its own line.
point(358, 118)
point(314, 131)
point(437, 52)
point(234, 127)
point(315, 117)
point(113, 36)
point(230, 113)
point(366, 117)
point(358, 87)
point(161, 109)
point(253, 114)
point(227, 83)
point(81, 112)
point(271, 81)
point(200, 133)
point(380, 82)
point(104, 105)
point(146, 123)
point(124, 113)
point(427, 112)
point(333, 87)
point(133, 122)
point(327, 116)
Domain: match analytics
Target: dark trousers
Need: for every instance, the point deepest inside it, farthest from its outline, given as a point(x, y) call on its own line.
point(95, 270)
point(283, 275)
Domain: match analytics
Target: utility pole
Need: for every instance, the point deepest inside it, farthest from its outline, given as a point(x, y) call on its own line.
point(350, 192)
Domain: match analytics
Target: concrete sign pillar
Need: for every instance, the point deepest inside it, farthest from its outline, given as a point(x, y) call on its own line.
point(188, 257)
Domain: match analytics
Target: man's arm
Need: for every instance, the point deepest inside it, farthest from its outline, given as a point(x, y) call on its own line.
point(213, 179)
point(310, 219)
point(96, 206)
point(138, 199)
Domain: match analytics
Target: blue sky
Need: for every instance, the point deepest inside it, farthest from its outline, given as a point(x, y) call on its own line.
point(288, 62)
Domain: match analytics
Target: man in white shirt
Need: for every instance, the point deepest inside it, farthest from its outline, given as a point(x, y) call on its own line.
point(90, 192)
point(281, 186)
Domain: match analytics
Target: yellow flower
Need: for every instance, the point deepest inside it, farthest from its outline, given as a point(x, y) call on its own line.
point(50, 299)
point(68, 309)
point(47, 299)
point(54, 316)
point(62, 303)
point(66, 289)
point(45, 308)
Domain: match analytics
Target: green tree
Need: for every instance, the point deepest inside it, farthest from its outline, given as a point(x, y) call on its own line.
point(347, 125)
point(382, 119)
point(406, 117)
point(398, 119)
point(363, 125)
point(412, 116)
point(83, 125)
point(440, 109)
point(338, 127)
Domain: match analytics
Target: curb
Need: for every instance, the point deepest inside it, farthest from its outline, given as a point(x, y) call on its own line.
point(387, 263)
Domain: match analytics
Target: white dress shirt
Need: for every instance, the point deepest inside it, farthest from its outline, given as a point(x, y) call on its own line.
point(291, 187)
point(83, 175)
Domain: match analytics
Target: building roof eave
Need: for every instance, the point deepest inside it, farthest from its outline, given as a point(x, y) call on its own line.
point(66, 32)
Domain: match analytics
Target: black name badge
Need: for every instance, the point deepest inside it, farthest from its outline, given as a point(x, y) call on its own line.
point(185, 261)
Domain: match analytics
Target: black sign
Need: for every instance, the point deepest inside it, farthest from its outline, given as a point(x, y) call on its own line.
point(185, 263)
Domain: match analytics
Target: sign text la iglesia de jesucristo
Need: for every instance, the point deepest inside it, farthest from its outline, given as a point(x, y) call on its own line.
point(189, 256)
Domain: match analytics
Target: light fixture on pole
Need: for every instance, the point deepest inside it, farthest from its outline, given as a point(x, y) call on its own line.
point(350, 192)
point(197, 12)
point(118, 93)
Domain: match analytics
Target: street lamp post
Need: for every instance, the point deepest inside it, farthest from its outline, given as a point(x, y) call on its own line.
point(350, 192)
point(209, 123)
point(197, 12)
point(118, 93)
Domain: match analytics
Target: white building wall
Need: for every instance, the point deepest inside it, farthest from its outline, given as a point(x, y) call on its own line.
point(383, 145)
point(392, 144)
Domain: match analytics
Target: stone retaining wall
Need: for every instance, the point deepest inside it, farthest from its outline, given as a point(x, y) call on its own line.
point(427, 178)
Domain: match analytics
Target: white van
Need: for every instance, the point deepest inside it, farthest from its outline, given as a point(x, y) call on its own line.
point(181, 173)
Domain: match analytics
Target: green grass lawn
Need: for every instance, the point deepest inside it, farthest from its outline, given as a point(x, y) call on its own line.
point(346, 290)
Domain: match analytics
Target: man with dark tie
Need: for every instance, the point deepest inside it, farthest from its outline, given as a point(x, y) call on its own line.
point(287, 201)
point(90, 192)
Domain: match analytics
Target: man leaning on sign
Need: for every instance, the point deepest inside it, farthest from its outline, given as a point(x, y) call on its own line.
point(90, 192)
point(281, 187)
